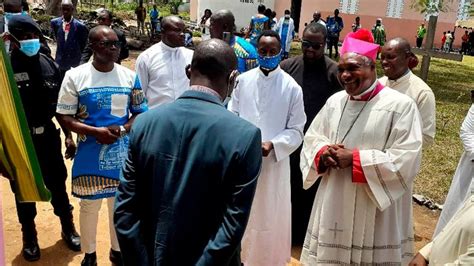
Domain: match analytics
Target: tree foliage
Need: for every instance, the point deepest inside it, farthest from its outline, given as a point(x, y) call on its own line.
point(431, 6)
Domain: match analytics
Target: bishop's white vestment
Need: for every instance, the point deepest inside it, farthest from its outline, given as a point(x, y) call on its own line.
point(273, 103)
point(365, 223)
point(413, 86)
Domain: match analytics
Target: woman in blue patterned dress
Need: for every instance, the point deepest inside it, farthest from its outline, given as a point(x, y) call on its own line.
point(258, 23)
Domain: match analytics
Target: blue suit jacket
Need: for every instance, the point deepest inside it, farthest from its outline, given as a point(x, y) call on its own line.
point(68, 53)
point(187, 186)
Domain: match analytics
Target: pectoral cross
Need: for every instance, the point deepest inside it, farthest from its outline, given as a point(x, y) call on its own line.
point(335, 230)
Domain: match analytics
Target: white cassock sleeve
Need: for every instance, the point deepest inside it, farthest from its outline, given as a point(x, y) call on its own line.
point(467, 133)
point(427, 107)
point(287, 141)
point(390, 172)
point(233, 105)
point(315, 139)
point(142, 72)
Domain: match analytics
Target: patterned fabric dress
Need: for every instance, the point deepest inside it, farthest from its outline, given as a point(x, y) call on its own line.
point(246, 54)
point(100, 100)
point(258, 27)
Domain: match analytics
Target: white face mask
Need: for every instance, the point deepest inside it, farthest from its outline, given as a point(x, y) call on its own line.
point(287, 16)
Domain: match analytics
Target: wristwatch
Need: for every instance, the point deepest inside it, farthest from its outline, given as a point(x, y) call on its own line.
point(123, 131)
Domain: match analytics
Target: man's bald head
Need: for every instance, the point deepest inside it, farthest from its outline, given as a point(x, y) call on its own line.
point(96, 32)
point(213, 62)
point(396, 55)
point(12, 6)
point(222, 21)
point(67, 3)
point(169, 21)
point(172, 31)
point(400, 44)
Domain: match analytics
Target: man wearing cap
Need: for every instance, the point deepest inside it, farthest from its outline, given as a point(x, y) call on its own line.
point(378, 32)
point(365, 146)
point(38, 80)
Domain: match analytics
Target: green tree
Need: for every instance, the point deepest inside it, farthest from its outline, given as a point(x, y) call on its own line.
point(174, 5)
point(428, 7)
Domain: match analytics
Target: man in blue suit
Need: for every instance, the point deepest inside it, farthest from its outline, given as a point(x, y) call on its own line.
point(71, 37)
point(187, 186)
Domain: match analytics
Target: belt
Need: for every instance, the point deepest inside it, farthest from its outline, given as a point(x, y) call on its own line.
point(37, 130)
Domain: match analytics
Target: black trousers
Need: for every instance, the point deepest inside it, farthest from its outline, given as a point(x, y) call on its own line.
point(301, 200)
point(333, 41)
point(419, 42)
point(48, 151)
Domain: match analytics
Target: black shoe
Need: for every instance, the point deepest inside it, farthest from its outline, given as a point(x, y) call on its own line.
point(115, 257)
point(69, 233)
point(31, 250)
point(89, 260)
point(72, 239)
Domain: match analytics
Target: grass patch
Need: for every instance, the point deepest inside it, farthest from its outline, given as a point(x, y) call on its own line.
point(451, 83)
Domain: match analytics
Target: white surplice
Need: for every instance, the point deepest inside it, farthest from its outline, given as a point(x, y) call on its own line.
point(463, 180)
point(413, 86)
point(273, 103)
point(162, 73)
point(454, 245)
point(364, 223)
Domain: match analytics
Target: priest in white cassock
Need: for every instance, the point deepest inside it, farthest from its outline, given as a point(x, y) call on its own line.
point(161, 68)
point(272, 100)
point(396, 55)
point(365, 144)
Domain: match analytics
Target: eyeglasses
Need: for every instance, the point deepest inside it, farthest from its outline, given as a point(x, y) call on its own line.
point(308, 44)
point(109, 44)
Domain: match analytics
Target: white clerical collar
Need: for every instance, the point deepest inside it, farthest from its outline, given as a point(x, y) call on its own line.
point(366, 92)
point(271, 74)
point(168, 48)
point(404, 77)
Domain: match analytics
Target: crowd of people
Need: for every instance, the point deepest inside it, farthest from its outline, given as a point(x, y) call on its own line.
point(228, 154)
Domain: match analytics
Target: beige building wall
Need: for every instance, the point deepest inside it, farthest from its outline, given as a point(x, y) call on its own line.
point(370, 10)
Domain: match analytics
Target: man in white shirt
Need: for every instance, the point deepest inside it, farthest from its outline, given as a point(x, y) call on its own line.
point(395, 56)
point(161, 68)
point(317, 18)
point(270, 99)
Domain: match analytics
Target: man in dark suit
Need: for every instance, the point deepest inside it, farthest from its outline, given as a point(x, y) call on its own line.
point(187, 186)
point(105, 18)
point(71, 37)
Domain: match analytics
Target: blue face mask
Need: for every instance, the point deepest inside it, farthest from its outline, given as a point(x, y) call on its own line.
point(269, 62)
point(9, 15)
point(30, 47)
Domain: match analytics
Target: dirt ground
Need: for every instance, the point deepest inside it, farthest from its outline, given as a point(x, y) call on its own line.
point(55, 252)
